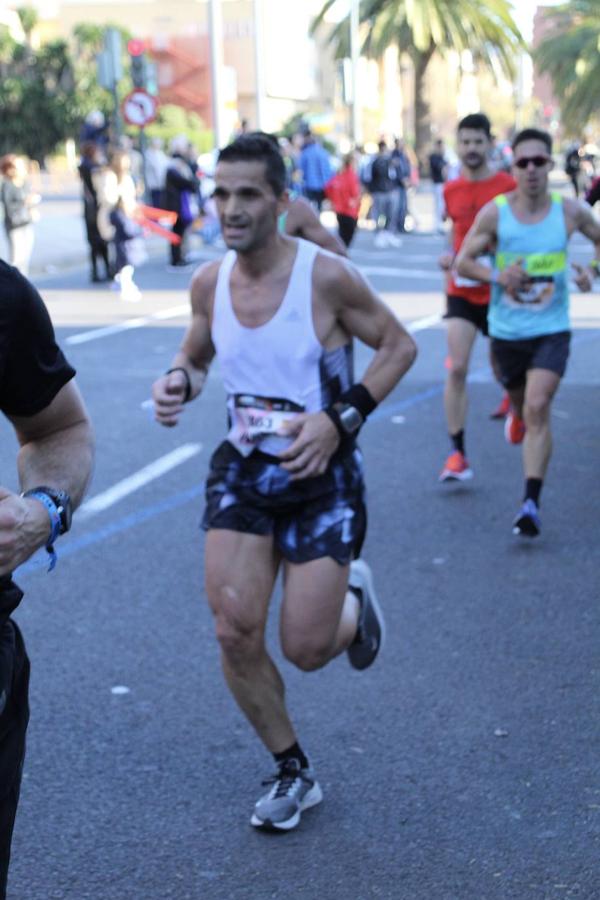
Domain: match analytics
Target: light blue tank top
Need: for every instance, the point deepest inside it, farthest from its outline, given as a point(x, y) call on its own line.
point(543, 308)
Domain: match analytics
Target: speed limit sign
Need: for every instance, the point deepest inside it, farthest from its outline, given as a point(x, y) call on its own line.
point(139, 108)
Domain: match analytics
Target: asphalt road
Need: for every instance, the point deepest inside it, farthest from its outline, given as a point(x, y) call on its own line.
point(463, 766)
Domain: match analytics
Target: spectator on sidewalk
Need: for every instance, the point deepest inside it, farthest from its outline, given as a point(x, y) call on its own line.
point(573, 166)
point(19, 205)
point(117, 199)
point(380, 181)
point(157, 162)
point(438, 171)
point(401, 167)
point(181, 191)
point(91, 162)
point(343, 192)
point(95, 128)
point(315, 168)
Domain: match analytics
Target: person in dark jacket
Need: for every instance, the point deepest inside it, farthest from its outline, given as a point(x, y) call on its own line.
point(181, 193)
point(92, 161)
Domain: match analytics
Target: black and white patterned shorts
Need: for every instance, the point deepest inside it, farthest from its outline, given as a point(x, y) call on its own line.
point(309, 519)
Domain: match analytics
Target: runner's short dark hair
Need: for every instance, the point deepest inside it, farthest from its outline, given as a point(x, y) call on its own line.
point(478, 122)
point(533, 134)
point(258, 147)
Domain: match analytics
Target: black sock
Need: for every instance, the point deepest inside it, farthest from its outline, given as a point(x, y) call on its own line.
point(458, 440)
point(293, 752)
point(533, 487)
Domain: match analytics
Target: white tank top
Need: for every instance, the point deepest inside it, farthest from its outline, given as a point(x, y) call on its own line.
point(280, 369)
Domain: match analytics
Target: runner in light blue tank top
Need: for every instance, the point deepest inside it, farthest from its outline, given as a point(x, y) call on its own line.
point(543, 306)
point(528, 230)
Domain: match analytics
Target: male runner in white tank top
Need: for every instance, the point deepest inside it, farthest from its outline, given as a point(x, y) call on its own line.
point(285, 487)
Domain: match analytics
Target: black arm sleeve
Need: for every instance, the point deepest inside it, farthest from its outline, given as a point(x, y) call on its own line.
point(33, 369)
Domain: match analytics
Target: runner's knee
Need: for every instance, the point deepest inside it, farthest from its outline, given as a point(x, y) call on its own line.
point(458, 369)
point(307, 654)
point(536, 410)
point(239, 633)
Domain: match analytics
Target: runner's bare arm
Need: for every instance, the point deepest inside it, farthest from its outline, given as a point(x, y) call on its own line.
point(363, 315)
point(480, 238)
point(352, 310)
point(190, 364)
point(446, 259)
point(580, 217)
point(56, 449)
point(303, 222)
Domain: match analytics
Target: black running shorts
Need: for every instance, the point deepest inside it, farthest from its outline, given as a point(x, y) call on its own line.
point(475, 313)
point(309, 519)
point(515, 358)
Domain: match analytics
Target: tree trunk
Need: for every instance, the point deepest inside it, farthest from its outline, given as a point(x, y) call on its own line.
point(422, 120)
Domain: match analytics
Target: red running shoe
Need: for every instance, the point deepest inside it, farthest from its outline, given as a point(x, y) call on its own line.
point(456, 468)
point(514, 428)
point(503, 409)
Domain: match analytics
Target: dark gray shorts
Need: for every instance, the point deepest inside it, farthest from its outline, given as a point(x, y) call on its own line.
point(515, 358)
point(309, 519)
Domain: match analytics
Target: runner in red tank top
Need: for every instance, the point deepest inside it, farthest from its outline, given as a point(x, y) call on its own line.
point(467, 301)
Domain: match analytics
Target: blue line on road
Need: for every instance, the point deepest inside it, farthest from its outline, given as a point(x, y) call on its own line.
point(40, 561)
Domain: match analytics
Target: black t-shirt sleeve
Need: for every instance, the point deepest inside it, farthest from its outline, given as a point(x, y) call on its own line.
point(33, 368)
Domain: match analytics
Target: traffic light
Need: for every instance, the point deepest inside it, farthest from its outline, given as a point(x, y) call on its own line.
point(137, 56)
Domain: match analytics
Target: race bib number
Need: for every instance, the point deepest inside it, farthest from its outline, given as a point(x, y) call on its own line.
point(459, 281)
point(254, 418)
point(536, 295)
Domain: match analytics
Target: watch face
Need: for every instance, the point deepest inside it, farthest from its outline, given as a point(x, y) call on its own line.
point(65, 510)
point(351, 419)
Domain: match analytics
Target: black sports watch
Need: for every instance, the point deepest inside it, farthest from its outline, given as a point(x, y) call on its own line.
point(61, 501)
point(350, 418)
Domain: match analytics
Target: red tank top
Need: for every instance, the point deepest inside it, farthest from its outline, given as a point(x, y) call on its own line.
point(464, 199)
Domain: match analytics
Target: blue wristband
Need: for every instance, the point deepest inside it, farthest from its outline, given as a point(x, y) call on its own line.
point(54, 522)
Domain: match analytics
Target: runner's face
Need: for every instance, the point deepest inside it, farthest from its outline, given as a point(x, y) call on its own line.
point(473, 148)
point(246, 204)
point(533, 180)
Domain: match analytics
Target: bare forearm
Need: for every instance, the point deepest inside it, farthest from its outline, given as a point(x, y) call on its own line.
point(61, 460)
point(197, 371)
point(391, 362)
point(470, 268)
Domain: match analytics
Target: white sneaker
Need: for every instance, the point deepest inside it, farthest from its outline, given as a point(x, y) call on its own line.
point(381, 240)
point(131, 293)
point(394, 240)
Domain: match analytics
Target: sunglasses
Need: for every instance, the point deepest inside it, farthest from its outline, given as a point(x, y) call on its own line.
point(538, 161)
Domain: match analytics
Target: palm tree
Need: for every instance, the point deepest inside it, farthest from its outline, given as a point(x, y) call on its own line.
point(421, 28)
point(571, 56)
point(29, 19)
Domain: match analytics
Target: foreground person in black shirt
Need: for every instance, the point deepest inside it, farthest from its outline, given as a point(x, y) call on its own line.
point(39, 397)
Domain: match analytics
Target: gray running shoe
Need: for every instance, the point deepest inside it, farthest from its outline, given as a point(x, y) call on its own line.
point(370, 634)
point(293, 790)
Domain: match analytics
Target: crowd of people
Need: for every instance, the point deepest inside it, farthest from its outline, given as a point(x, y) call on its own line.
point(285, 489)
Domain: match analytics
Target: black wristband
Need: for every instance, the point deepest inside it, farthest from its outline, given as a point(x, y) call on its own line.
point(334, 415)
point(188, 381)
point(360, 398)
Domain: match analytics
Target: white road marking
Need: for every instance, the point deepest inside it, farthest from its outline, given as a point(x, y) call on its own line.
point(85, 336)
point(422, 324)
point(139, 479)
point(400, 273)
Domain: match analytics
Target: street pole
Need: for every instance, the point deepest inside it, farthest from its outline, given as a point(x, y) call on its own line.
point(354, 56)
point(216, 69)
point(259, 55)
